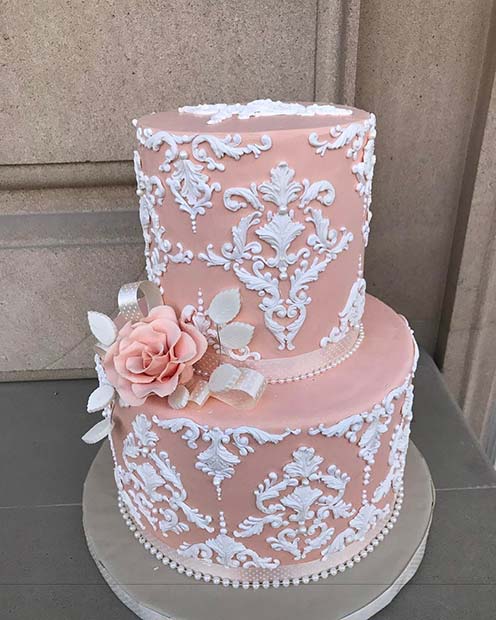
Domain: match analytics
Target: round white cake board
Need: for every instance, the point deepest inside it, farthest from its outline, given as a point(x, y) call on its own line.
point(155, 592)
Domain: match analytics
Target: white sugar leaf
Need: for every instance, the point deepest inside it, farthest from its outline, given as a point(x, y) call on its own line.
point(100, 398)
point(224, 377)
point(236, 335)
point(225, 306)
point(98, 432)
point(179, 397)
point(102, 327)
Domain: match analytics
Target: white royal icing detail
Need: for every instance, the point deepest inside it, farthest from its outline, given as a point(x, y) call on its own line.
point(351, 315)
point(152, 480)
point(219, 112)
point(367, 517)
point(280, 576)
point(190, 186)
point(217, 461)
point(356, 136)
point(158, 249)
point(397, 454)
point(301, 514)
point(225, 550)
point(203, 322)
point(279, 231)
point(374, 424)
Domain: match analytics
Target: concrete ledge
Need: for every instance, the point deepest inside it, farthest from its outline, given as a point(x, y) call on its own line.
point(81, 174)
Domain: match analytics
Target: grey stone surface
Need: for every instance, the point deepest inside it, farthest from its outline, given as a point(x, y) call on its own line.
point(40, 444)
point(418, 69)
point(74, 229)
point(62, 602)
point(336, 50)
point(44, 547)
point(441, 602)
point(52, 288)
point(63, 200)
point(460, 550)
point(83, 70)
point(52, 175)
point(441, 433)
point(467, 331)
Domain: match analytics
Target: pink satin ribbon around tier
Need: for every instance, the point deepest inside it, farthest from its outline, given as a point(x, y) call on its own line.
point(287, 369)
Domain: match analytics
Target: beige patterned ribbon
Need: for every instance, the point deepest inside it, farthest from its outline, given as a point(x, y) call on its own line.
point(283, 370)
point(244, 393)
point(130, 302)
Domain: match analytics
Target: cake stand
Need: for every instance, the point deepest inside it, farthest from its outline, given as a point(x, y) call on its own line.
point(155, 592)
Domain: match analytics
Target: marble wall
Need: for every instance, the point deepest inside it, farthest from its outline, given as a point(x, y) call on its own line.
point(76, 72)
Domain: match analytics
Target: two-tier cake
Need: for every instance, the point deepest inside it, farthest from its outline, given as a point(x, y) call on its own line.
point(257, 401)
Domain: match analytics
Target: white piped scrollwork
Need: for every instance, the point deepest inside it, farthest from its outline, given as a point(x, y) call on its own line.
point(154, 479)
point(356, 136)
point(374, 424)
point(227, 551)
point(285, 310)
point(351, 315)
point(158, 249)
point(397, 453)
point(217, 461)
point(219, 112)
point(302, 509)
point(300, 515)
point(190, 186)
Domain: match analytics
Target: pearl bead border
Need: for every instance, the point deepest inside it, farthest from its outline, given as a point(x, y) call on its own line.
point(313, 373)
point(276, 583)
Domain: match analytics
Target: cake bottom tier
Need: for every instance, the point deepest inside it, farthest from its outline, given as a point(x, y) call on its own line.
point(303, 486)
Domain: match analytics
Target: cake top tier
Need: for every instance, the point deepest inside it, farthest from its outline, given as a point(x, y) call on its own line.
point(254, 117)
point(269, 202)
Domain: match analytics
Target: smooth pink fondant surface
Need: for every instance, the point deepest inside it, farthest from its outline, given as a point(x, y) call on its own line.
point(382, 363)
point(290, 144)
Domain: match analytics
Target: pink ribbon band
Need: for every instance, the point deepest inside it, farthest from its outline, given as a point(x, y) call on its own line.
point(285, 370)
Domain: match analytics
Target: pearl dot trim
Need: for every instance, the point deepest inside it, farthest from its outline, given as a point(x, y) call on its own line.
point(313, 373)
point(276, 583)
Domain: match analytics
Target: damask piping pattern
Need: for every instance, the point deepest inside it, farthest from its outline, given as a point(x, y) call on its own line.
point(158, 249)
point(225, 550)
point(303, 508)
point(351, 315)
point(398, 450)
point(293, 508)
point(356, 136)
point(217, 460)
point(149, 477)
point(188, 182)
point(374, 424)
point(281, 280)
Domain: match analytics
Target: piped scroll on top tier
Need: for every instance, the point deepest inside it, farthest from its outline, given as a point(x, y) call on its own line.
point(275, 205)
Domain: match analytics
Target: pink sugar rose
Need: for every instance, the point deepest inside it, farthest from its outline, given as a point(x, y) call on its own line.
point(153, 355)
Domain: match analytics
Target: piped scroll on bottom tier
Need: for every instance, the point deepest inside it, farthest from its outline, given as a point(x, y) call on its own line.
point(297, 488)
point(264, 578)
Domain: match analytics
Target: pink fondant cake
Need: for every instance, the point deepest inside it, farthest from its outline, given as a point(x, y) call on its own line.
point(258, 403)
